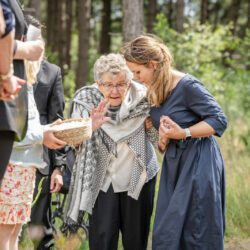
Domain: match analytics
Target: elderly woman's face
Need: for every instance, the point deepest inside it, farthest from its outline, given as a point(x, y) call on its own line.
point(114, 87)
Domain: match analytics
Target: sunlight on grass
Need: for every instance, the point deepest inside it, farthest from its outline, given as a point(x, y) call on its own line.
point(237, 161)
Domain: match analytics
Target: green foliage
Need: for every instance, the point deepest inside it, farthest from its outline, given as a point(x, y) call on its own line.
point(69, 84)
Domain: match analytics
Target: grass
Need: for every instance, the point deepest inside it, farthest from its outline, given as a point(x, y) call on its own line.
point(237, 159)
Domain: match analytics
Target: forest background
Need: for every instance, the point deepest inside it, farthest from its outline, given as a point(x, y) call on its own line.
point(208, 38)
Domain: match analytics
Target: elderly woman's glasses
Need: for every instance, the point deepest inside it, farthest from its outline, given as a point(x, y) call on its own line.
point(119, 86)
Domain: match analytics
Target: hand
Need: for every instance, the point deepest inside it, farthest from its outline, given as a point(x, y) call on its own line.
point(50, 140)
point(162, 145)
point(9, 89)
point(98, 115)
point(170, 130)
point(148, 123)
point(56, 181)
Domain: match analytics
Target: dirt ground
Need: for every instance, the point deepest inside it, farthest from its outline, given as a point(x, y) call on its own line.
point(238, 244)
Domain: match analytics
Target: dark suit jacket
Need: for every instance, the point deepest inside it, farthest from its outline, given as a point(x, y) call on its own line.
point(14, 114)
point(49, 97)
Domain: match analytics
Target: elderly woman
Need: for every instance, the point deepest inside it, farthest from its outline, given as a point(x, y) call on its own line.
point(114, 173)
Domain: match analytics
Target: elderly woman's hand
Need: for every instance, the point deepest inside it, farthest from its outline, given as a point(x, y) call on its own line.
point(170, 129)
point(148, 123)
point(98, 115)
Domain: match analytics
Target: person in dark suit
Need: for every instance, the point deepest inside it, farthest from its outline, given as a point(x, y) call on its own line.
point(49, 97)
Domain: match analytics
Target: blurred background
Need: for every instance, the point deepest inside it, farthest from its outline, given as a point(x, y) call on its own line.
point(208, 38)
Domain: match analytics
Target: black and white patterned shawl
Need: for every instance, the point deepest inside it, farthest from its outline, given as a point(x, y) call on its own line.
point(92, 157)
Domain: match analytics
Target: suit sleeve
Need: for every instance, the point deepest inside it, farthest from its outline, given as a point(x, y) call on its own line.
point(55, 110)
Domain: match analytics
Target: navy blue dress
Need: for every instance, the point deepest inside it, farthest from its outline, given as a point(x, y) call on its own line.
point(191, 201)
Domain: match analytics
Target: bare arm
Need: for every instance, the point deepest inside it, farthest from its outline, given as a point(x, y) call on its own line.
point(6, 51)
point(171, 130)
point(29, 50)
point(9, 84)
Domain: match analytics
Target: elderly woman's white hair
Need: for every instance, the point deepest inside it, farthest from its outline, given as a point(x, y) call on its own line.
point(111, 63)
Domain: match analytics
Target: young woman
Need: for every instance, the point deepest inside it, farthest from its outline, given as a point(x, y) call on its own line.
point(191, 200)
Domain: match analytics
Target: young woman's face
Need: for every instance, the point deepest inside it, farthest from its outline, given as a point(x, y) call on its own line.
point(114, 87)
point(142, 73)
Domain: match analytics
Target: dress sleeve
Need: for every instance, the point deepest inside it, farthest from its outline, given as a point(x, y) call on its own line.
point(55, 108)
point(203, 104)
point(8, 17)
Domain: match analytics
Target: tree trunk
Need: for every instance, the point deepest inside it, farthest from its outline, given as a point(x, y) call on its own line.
point(49, 22)
point(105, 40)
point(35, 6)
point(216, 7)
point(52, 25)
point(233, 14)
point(248, 16)
point(132, 19)
point(204, 11)
point(65, 35)
point(179, 15)
point(83, 42)
point(170, 13)
point(152, 10)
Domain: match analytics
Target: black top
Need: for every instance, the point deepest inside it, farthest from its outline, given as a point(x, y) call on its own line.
point(14, 113)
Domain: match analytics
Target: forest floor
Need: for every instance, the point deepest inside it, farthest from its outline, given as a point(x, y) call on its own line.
point(237, 244)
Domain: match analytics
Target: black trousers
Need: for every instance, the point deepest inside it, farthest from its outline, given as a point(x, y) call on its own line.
point(41, 212)
point(114, 212)
point(6, 143)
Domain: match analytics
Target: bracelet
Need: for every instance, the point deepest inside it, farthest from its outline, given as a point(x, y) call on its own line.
point(8, 75)
point(187, 133)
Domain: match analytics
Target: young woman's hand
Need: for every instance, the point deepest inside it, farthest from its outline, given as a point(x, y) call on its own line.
point(170, 130)
point(98, 115)
point(49, 139)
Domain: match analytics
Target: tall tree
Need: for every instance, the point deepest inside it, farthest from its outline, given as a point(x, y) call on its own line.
point(49, 22)
point(152, 10)
point(105, 40)
point(179, 15)
point(36, 5)
point(233, 14)
point(170, 13)
point(204, 11)
point(132, 19)
point(248, 15)
point(65, 34)
point(83, 42)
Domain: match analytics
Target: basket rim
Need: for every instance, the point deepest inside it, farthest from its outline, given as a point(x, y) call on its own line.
point(87, 119)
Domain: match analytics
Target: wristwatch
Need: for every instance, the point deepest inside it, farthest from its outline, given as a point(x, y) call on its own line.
point(187, 133)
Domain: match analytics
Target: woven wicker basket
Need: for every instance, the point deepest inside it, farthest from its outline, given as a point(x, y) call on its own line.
point(73, 131)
